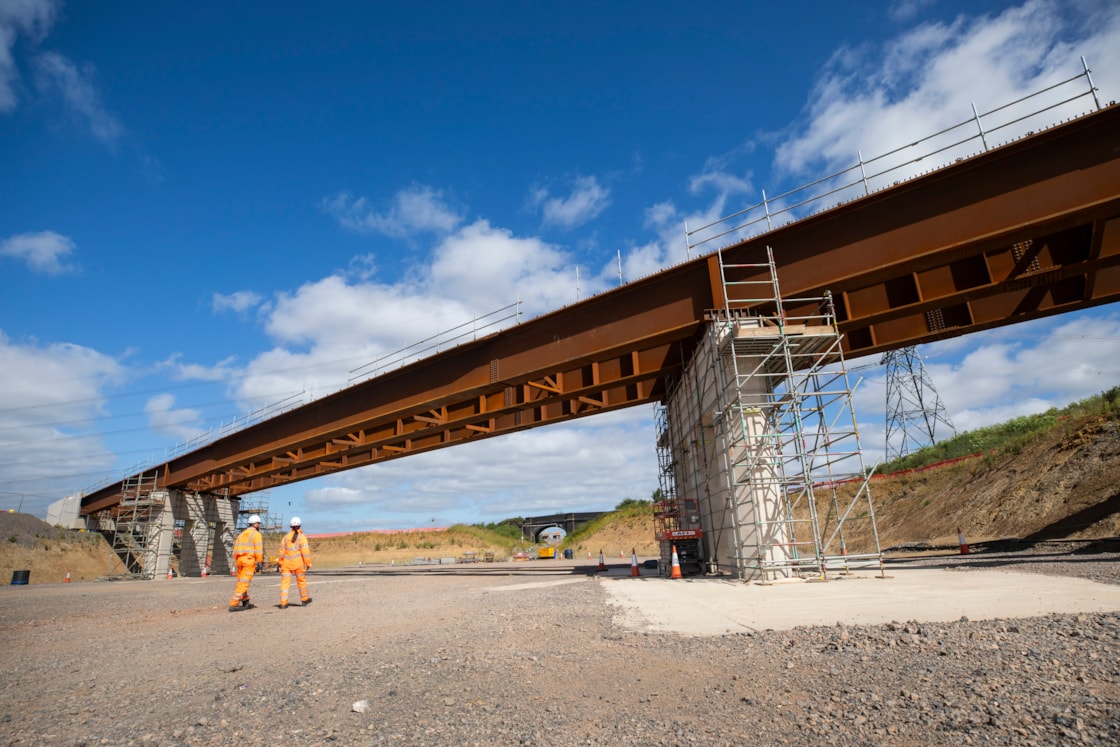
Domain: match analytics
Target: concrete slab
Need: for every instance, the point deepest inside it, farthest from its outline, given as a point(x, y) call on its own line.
point(705, 607)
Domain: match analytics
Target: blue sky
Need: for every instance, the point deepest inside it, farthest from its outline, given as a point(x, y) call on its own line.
point(207, 208)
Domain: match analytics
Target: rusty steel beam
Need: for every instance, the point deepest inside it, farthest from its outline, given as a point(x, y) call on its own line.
point(1028, 230)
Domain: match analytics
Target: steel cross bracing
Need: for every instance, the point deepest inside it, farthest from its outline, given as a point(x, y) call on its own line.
point(1022, 231)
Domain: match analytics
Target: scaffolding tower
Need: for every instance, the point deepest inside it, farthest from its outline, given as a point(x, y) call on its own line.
point(676, 518)
point(257, 503)
point(913, 407)
point(134, 528)
point(763, 434)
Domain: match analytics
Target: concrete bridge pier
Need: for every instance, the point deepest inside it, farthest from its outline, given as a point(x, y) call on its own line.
point(725, 458)
point(156, 530)
point(207, 531)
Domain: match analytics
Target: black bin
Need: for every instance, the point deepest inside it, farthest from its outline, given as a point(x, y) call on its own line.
point(21, 578)
point(569, 554)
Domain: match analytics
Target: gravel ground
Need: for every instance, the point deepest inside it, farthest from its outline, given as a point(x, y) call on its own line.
point(530, 654)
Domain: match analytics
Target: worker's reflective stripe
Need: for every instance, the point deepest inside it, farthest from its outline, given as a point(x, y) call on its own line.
point(295, 552)
point(251, 543)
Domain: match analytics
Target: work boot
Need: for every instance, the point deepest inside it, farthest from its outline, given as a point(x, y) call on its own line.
point(247, 606)
point(307, 601)
point(236, 608)
point(245, 603)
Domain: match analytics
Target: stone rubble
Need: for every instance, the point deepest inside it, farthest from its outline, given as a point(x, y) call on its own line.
point(530, 654)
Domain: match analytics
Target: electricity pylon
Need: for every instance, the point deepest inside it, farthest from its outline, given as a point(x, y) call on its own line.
point(913, 407)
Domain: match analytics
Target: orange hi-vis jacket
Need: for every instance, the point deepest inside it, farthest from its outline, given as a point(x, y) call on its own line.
point(249, 544)
point(295, 554)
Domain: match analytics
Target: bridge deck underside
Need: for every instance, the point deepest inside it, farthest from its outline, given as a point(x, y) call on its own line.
point(1025, 231)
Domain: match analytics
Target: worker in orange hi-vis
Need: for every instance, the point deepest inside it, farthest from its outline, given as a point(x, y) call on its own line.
point(295, 558)
point(248, 553)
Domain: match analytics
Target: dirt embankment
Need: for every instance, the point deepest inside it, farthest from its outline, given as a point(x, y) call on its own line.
point(27, 543)
point(1062, 485)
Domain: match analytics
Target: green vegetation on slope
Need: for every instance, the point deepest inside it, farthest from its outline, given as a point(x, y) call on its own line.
point(1008, 439)
point(628, 509)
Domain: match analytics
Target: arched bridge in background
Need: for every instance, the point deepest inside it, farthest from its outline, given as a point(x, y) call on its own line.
point(1023, 231)
point(532, 526)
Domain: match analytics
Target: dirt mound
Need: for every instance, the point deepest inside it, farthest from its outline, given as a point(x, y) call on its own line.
point(49, 553)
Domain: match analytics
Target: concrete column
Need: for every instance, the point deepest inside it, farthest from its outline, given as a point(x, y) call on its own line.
point(207, 533)
point(723, 456)
point(161, 536)
point(224, 512)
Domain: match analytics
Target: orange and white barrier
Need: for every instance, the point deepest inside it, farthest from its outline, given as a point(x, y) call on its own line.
point(634, 571)
point(676, 572)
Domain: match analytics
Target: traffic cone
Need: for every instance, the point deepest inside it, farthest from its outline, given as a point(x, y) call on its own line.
point(170, 575)
point(634, 563)
point(676, 573)
point(963, 544)
point(67, 577)
point(620, 554)
point(602, 562)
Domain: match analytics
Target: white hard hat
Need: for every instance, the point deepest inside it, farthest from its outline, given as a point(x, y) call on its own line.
point(295, 522)
point(254, 519)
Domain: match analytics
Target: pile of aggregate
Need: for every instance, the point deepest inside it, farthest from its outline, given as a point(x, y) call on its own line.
point(531, 654)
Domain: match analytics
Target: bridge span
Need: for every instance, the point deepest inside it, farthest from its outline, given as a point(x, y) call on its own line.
point(1023, 231)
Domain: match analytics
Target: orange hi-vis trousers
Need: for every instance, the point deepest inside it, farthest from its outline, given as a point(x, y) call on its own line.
point(286, 583)
point(246, 567)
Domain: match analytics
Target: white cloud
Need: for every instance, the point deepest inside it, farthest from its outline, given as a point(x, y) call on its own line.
point(591, 465)
point(417, 209)
point(224, 370)
point(182, 423)
point(990, 377)
point(484, 268)
point(32, 18)
point(1030, 367)
point(904, 10)
point(641, 261)
point(238, 302)
point(327, 331)
point(586, 201)
point(43, 252)
point(52, 400)
point(78, 89)
point(873, 101)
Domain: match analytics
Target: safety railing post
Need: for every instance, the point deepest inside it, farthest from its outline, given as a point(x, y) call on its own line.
point(1089, 78)
point(979, 126)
